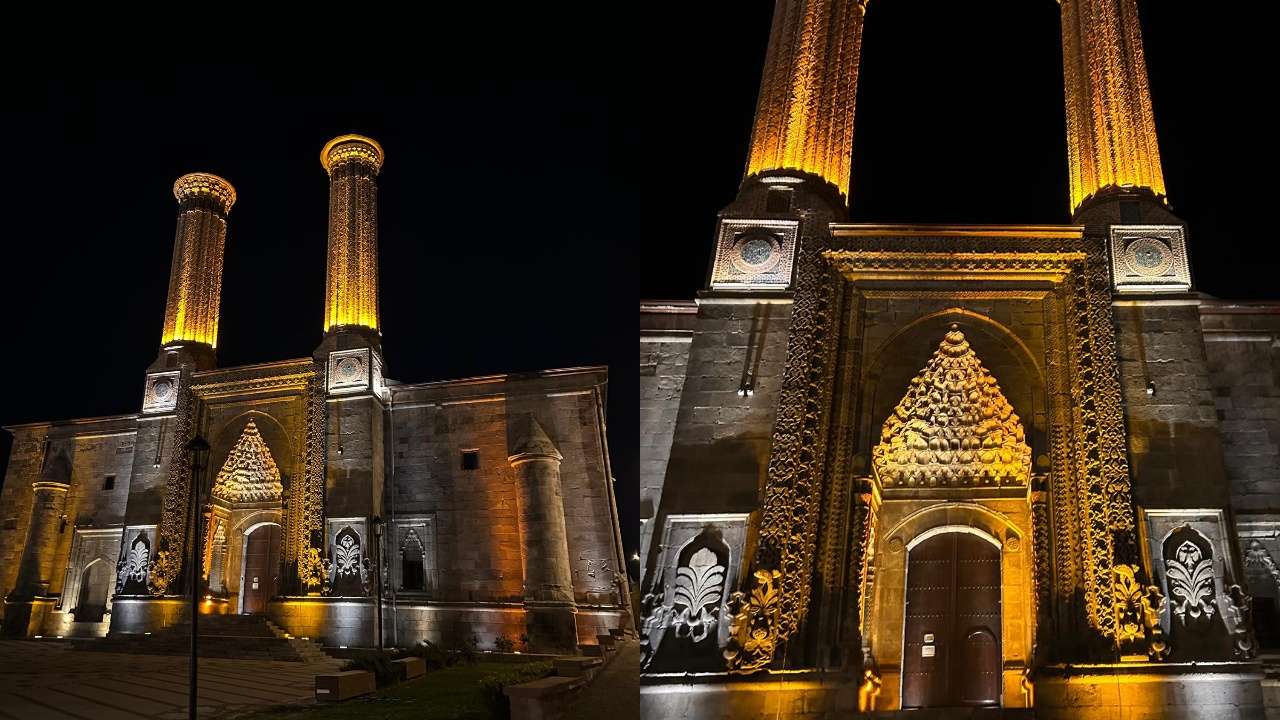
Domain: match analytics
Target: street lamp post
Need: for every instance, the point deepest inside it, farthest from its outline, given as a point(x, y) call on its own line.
point(198, 450)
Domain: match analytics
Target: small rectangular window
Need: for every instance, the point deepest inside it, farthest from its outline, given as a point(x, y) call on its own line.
point(108, 482)
point(470, 459)
point(778, 201)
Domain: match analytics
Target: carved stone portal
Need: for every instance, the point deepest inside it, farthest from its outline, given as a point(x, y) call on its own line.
point(250, 473)
point(954, 427)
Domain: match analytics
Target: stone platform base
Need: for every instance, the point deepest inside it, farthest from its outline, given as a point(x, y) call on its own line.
point(801, 696)
point(1176, 691)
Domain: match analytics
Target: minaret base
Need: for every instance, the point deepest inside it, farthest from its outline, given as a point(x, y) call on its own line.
point(26, 617)
point(553, 627)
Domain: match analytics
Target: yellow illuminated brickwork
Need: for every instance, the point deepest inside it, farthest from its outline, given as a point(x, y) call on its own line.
point(1111, 133)
point(195, 278)
point(804, 116)
point(351, 285)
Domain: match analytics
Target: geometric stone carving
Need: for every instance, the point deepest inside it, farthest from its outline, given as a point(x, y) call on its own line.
point(162, 392)
point(249, 474)
point(754, 254)
point(1149, 258)
point(954, 427)
point(348, 371)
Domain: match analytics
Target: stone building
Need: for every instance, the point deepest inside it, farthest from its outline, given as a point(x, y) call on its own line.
point(940, 466)
point(340, 503)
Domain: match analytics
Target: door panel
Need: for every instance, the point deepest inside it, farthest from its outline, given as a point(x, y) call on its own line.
point(951, 639)
point(261, 568)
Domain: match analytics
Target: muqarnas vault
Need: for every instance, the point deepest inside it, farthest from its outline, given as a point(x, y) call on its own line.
point(339, 503)
point(891, 467)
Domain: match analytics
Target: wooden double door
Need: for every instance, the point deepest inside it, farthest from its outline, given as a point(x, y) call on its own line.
point(261, 568)
point(951, 641)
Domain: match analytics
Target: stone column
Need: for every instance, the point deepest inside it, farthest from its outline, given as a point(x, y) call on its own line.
point(351, 281)
point(25, 606)
point(548, 581)
point(804, 116)
point(195, 278)
point(1111, 132)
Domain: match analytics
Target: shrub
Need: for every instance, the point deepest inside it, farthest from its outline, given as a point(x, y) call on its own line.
point(437, 656)
point(491, 685)
point(377, 662)
point(504, 644)
point(462, 651)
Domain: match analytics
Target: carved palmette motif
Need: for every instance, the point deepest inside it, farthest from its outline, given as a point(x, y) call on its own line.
point(1256, 556)
point(753, 632)
point(1190, 576)
point(699, 588)
point(654, 617)
point(1138, 608)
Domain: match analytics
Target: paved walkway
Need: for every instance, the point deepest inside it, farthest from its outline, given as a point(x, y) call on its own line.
point(50, 680)
point(614, 694)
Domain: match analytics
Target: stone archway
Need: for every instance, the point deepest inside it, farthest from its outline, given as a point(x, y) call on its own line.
point(260, 574)
point(95, 589)
point(997, 524)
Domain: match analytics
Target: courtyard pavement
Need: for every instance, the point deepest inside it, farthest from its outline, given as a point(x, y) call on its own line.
point(51, 680)
point(614, 694)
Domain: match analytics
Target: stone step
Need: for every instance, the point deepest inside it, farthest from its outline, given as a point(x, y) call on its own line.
point(970, 713)
point(247, 637)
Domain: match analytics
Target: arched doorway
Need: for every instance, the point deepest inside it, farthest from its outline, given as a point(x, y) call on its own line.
point(261, 568)
point(951, 634)
point(95, 586)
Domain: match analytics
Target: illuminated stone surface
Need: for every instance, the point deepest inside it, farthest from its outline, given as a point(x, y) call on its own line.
point(195, 279)
point(1130, 416)
point(331, 490)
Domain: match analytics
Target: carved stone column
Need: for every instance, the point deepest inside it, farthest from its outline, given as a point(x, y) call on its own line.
point(195, 278)
point(548, 580)
point(1111, 133)
point(24, 612)
point(351, 281)
point(804, 117)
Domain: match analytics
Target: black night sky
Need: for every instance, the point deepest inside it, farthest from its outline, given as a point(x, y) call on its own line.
point(960, 119)
point(546, 168)
point(494, 255)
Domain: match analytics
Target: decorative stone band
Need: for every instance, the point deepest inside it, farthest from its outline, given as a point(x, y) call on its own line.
point(351, 148)
point(195, 185)
point(525, 457)
point(46, 485)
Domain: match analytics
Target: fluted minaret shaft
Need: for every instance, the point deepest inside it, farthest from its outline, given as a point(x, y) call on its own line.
point(1111, 133)
point(804, 116)
point(351, 285)
point(195, 278)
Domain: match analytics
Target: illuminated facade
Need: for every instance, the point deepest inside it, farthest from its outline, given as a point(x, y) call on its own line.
point(338, 502)
point(900, 466)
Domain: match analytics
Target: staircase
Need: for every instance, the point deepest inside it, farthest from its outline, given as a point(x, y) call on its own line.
point(241, 637)
point(976, 713)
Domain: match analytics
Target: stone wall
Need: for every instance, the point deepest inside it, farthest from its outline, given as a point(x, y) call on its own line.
point(666, 332)
point(1175, 451)
point(478, 546)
